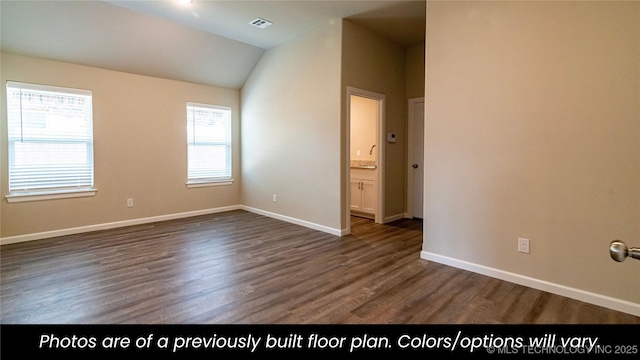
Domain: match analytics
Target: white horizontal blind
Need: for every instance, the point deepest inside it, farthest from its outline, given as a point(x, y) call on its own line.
point(209, 142)
point(50, 133)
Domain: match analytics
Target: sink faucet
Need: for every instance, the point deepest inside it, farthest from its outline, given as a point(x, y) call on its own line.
point(371, 151)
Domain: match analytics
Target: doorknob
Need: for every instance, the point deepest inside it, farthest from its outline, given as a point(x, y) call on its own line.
point(619, 251)
point(415, 166)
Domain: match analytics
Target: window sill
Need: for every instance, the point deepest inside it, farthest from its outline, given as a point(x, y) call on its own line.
point(49, 195)
point(198, 184)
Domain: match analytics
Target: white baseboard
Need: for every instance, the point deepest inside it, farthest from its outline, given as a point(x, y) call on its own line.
point(117, 224)
point(112, 225)
point(389, 219)
point(314, 226)
point(577, 294)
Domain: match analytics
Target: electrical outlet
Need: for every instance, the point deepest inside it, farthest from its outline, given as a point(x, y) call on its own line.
point(523, 245)
point(357, 152)
point(129, 202)
point(275, 198)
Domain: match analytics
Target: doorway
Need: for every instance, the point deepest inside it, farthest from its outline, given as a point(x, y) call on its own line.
point(415, 171)
point(365, 155)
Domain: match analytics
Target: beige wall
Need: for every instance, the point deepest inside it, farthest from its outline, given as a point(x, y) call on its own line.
point(532, 123)
point(3, 149)
point(139, 148)
point(291, 129)
point(373, 63)
point(363, 128)
point(415, 71)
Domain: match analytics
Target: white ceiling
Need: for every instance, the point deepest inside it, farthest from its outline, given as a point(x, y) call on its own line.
point(207, 42)
point(395, 19)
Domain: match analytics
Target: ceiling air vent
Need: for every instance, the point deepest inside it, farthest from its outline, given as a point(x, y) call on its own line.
point(260, 23)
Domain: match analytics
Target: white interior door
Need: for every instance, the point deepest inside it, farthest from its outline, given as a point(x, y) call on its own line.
point(417, 157)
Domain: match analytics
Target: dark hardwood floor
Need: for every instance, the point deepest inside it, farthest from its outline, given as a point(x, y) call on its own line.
point(243, 268)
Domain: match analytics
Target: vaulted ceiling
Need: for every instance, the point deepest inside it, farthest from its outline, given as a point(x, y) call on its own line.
point(208, 42)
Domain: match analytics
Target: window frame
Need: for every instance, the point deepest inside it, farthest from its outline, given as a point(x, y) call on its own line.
point(212, 181)
point(49, 193)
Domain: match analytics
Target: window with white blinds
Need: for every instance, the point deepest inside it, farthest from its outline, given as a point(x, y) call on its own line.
point(50, 138)
point(209, 143)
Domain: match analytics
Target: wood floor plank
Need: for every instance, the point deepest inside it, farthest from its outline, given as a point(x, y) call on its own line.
point(238, 267)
